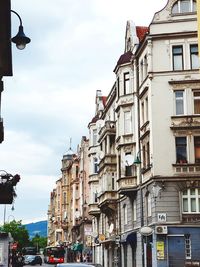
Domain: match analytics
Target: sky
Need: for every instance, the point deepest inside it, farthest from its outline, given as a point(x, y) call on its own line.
point(50, 98)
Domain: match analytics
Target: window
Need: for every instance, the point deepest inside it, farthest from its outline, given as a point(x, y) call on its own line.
point(149, 205)
point(94, 137)
point(128, 169)
point(184, 6)
point(64, 198)
point(134, 211)
point(96, 166)
point(126, 83)
point(125, 214)
point(181, 150)
point(179, 102)
point(197, 148)
point(196, 97)
point(118, 88)
point(191, 200)
point(187, 247)
point(194, 58)
point(96, 197)
point(127, 122)
point(177, 54)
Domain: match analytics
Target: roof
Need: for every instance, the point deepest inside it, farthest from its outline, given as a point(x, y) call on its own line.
point(141, 32)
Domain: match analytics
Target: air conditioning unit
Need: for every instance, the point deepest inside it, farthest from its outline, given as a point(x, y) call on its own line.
point(161, 230)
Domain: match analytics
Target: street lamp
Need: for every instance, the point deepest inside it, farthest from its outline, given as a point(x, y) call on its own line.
point(20, 39)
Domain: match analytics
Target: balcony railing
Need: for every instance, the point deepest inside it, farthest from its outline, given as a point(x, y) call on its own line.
point(109, 159)
point(108, 128)
point(185, 122)
point(127, 184)
point(94, 209)
point(186, 168)
point(107, 197)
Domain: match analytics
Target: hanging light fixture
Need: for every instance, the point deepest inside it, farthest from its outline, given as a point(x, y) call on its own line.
point(21, 40)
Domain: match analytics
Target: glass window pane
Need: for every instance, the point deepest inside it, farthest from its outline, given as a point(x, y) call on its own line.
point(193, 205)
point(185, 6)
point(192, 191)
point(175, 8)
point(194, 7)
point(196, 96)
point(185, 205)
point(185, 193)
point(178, 64)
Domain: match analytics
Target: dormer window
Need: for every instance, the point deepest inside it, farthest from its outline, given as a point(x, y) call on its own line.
point(184, 6)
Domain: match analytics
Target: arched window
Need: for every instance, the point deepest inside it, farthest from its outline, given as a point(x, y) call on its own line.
point(184, 6)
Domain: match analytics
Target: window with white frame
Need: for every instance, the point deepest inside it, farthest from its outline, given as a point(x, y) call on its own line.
point(191, 200)
point(181, 149)
point(188, 250)
point(196, 101)
point(177, 56)
point(179, 102)
point(194, 58)
point(134, 210)
point(94, 137)
point(127, 122)
point(126, 83)
point(125, 214)
point(149, 205)
point(184, 6)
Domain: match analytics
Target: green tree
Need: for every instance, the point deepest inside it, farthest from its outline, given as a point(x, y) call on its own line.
point(18, 231)
point(39, 242)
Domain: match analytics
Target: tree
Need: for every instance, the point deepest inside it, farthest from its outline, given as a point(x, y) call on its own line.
point(18, 231)
point(39, 241)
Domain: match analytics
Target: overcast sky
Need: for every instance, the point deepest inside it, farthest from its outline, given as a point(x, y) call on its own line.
point(74, 47)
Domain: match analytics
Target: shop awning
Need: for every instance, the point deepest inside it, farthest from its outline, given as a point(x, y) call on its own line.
point(130, 238)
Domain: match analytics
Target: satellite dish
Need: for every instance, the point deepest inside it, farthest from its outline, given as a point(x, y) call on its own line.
point(111, 228)
point(129, 160)
point(101, 154)
point(100, 123)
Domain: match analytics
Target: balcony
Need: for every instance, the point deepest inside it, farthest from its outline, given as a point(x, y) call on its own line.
point(94, 209)
point(127, 185)
point(186, 169)
point(108, 159)
point(109, 128)
point(108, 201)
point(191, 122)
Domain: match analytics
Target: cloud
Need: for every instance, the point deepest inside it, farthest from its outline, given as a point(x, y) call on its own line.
point(51, 96)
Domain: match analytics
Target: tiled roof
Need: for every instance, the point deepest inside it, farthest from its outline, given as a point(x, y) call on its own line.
point(125, 58)
point(141, 32)
point(104, 98)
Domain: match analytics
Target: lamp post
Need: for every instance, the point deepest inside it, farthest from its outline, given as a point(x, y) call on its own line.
point(20, 39)
point(138, 162)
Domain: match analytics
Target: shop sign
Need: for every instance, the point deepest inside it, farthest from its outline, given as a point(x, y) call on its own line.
point(160, 247)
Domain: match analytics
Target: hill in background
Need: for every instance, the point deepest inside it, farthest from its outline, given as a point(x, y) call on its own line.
point(39, 228)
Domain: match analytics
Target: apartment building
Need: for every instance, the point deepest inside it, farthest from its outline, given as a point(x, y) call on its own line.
point(147, 210)
point(69, 223)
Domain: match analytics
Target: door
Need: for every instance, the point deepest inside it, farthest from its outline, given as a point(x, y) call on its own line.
point(176, 251)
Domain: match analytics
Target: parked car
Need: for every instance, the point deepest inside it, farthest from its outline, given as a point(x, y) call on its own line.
point(32, 259)
point(74, 264)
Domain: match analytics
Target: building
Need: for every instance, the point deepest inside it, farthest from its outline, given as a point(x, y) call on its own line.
point(69, 223)
point(141, 164)
point(147, 179)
